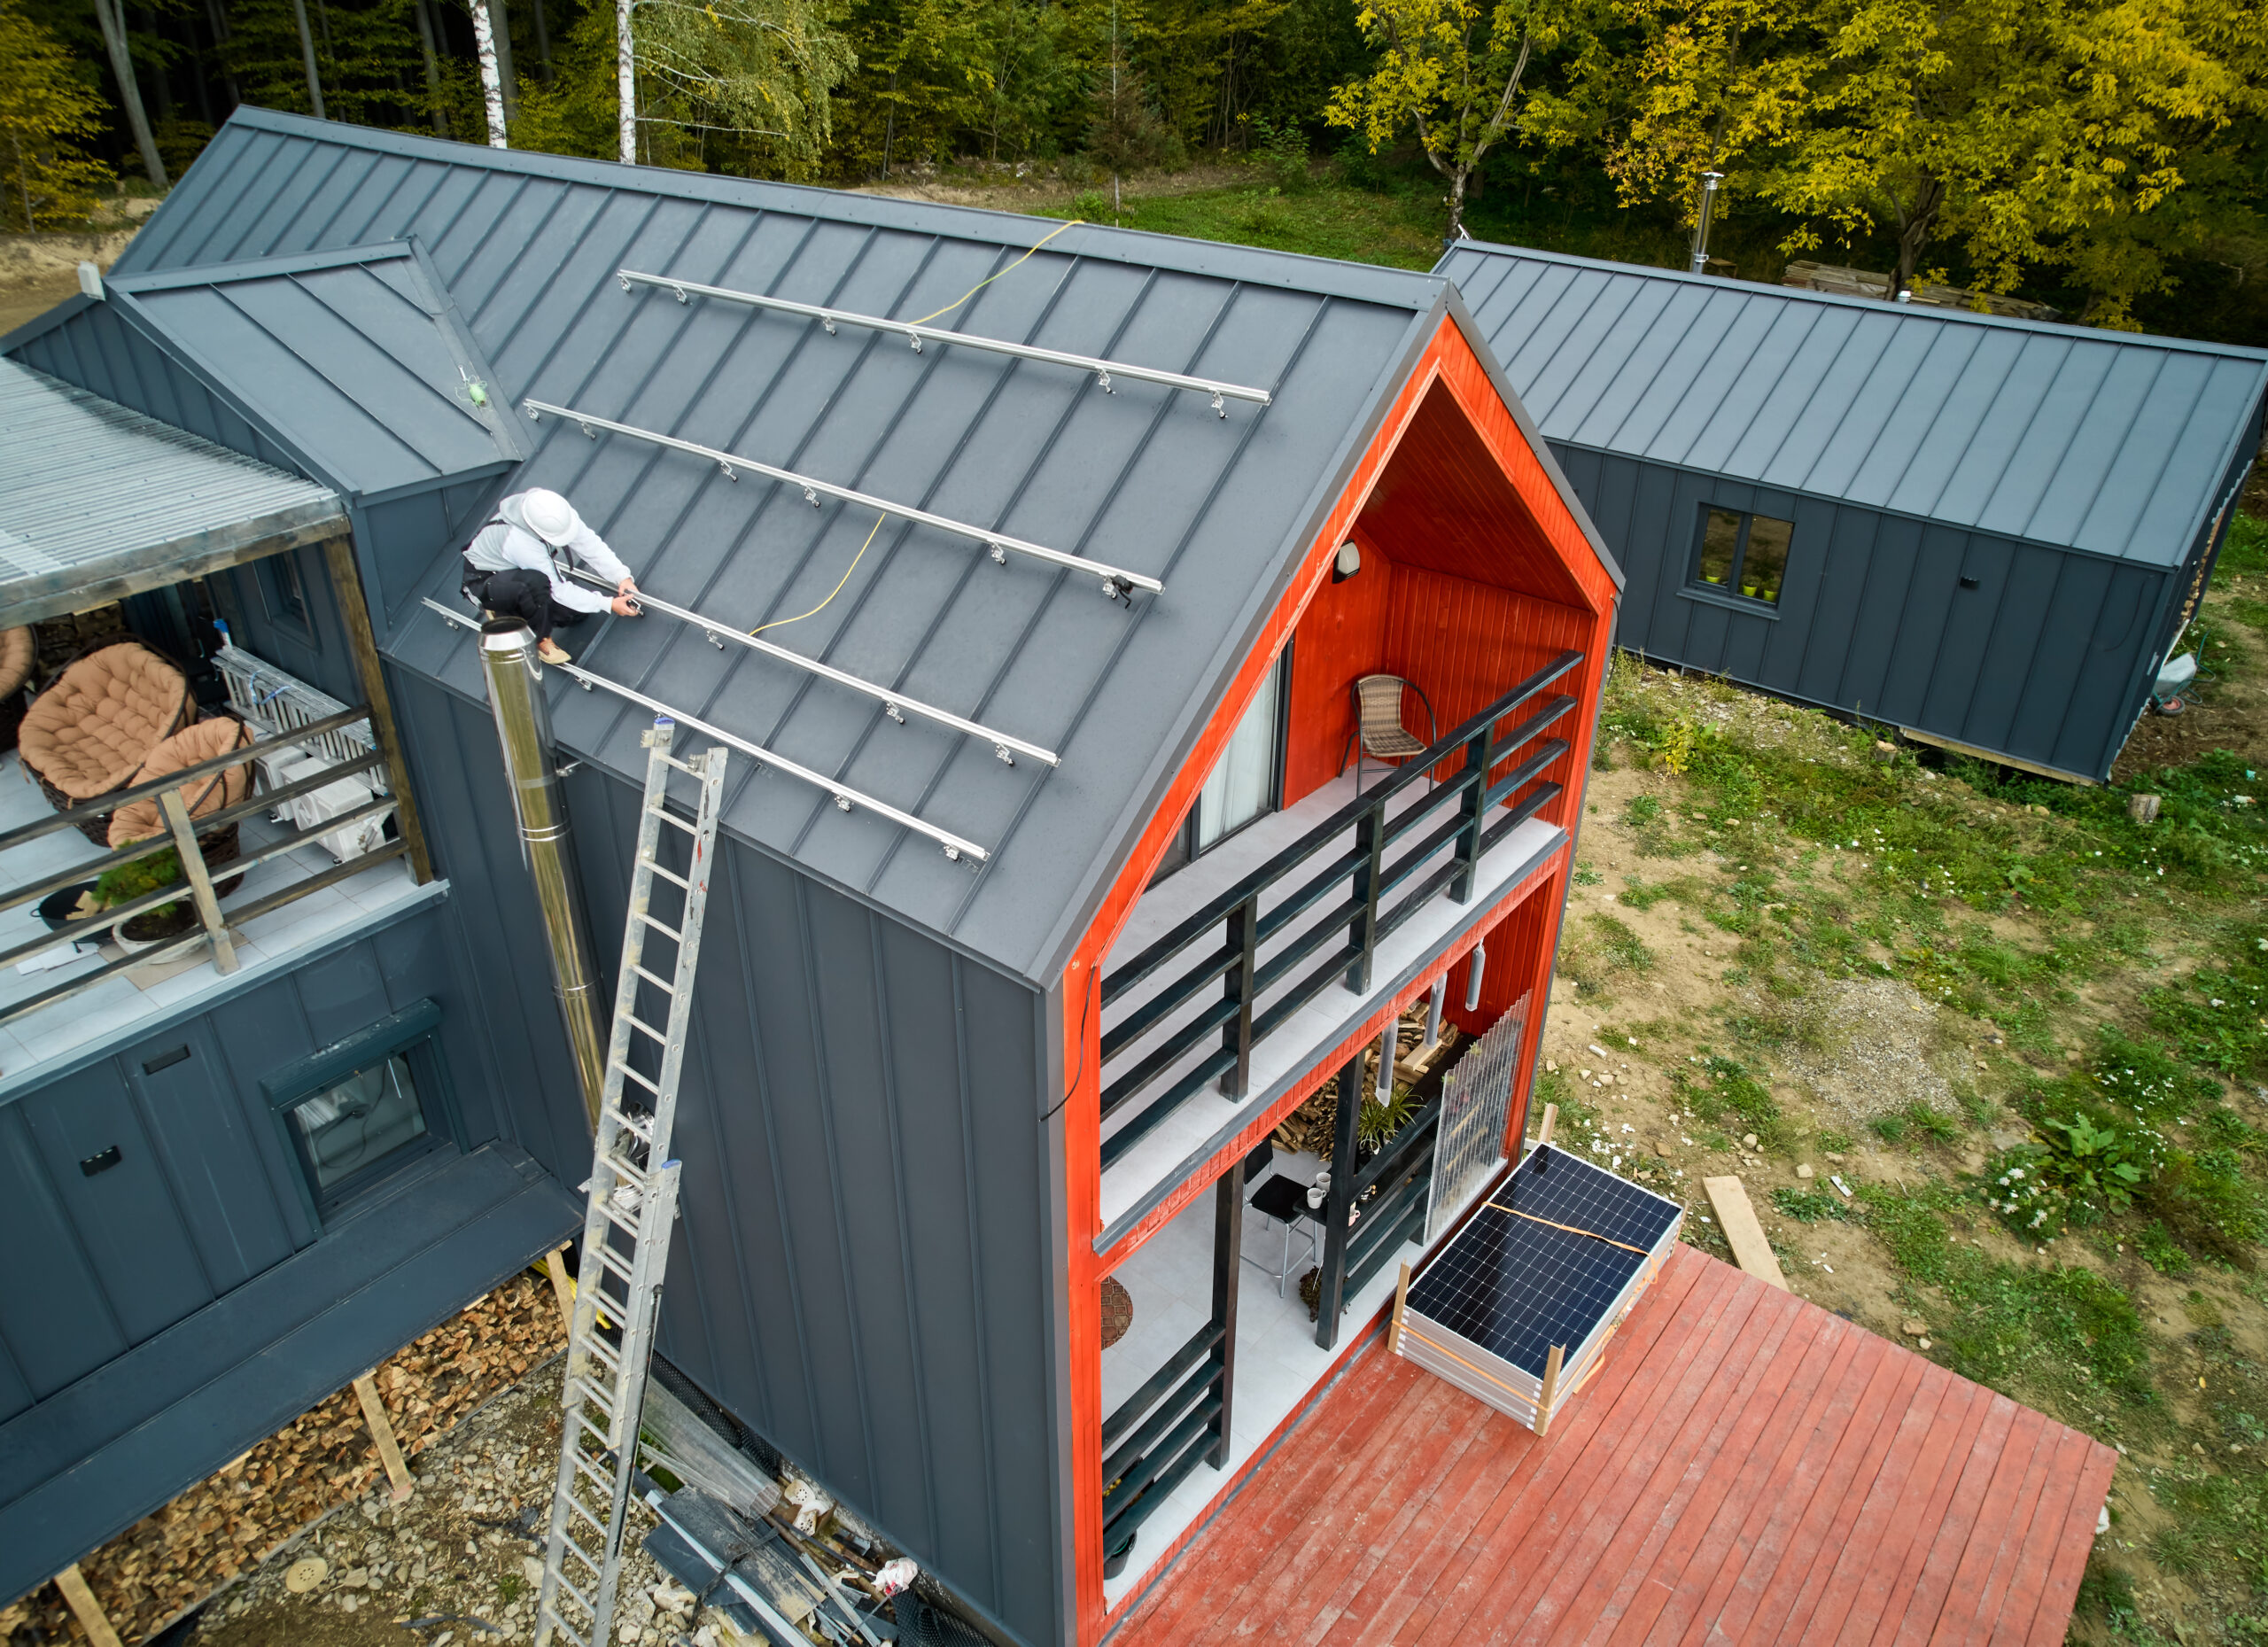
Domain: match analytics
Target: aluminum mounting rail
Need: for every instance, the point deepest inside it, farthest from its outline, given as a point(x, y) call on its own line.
point(1116, 580)
point(1104, 370)
point(893, 703)
point(845, 798)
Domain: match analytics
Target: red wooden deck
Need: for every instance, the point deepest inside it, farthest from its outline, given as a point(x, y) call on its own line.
point(1747, 1467)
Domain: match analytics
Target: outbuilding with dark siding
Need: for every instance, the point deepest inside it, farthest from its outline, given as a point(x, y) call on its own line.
point(1990, 533)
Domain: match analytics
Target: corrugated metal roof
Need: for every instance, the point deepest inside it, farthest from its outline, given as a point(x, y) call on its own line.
point(356, 360)
point(92, 494)
point(1146, 477)
point(2110, 442)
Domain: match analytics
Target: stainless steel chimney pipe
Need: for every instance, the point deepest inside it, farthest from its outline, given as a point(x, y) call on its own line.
point(515, 699)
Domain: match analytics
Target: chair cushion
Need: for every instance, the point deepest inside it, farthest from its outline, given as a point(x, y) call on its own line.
point(207, 739)
point(89, 732)
point(18, 652)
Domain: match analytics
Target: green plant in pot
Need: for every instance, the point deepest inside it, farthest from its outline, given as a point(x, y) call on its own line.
point(1381, 1118)
point(137, 879)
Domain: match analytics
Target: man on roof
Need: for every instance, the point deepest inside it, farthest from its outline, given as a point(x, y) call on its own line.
point(523, 565)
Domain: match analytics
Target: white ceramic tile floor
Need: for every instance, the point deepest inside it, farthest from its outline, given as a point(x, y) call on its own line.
point(110, 1010)
point(1169, 1278)
point(1182, 1142)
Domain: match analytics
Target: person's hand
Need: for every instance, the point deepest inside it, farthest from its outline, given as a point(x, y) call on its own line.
point(625, 607)
point(628, 586)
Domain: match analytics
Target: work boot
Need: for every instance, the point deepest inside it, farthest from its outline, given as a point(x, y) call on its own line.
point(552, 652)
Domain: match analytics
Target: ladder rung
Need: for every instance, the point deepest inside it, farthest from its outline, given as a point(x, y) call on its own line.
point(629, 1123)
point(666, 988)
point(575, 1504)
point(672, 818)
point(551, 1617)
point(627, 1171)
point(653, 868)
point(561, 1579)
point(600, 1395)
point(690, 772)
point(605, 1478)
point(640, 1079)
point(666, 931)
point(609, 1260)
point(636, 1022)
point(604, 1351)
point(628, 1226)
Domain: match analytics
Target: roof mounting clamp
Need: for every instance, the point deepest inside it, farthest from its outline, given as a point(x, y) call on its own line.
point(1102, 382)
point(622, 280)
point(715, 639)
point(1001, 752)
point(915, 337)
point(1113, 590)
point(680, 290)
point(1220, 407)
point(999, 554)
point(953, 854)
point(728, 472)
point(842, 803)
point(827, 320)
point(811, 497)
point(895, 713)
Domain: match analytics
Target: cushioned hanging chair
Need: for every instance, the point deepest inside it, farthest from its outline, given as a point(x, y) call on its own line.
point(207, 739)
point(86, 736)
point(1378, 732)
point(18, 653)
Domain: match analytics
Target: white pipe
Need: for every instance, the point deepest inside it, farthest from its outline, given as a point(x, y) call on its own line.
point(1479, 964)
point(1434, 1012)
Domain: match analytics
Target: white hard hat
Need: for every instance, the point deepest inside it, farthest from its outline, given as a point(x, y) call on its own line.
point(549, 515)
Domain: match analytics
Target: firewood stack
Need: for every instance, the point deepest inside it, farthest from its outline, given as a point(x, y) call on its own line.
point(227, 1524)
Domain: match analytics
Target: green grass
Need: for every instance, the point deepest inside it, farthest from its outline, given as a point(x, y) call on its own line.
point(1327, 219)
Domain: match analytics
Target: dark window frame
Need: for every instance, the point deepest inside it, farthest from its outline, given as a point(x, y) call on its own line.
point(412, 1035)
point(285, 597)
point(1729, 592)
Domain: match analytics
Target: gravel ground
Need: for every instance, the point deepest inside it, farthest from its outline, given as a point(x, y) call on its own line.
point(1863, 1045)
point(458, 1564)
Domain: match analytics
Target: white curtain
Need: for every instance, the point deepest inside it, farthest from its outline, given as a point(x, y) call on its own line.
point(1240, 787)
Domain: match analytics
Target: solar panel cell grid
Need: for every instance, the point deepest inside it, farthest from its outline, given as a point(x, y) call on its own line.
point(1516, 1286)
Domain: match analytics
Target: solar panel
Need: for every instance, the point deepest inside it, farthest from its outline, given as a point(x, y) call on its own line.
point(1554, 1255)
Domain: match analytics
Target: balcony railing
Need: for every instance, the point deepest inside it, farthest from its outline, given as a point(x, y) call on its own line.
point(197, 878)
point(1381, 863)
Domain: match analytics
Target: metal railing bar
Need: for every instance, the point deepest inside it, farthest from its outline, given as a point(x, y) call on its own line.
point(174, 780)
point(1146, 1118)
point(1142, 1018)
point(1278, 966)
point(919, 334)
point(1519, 815)
point(1409, 1226)
point(1162, 1417)
point(1159, 1382)
point(1116, 578)
point(845, 797)
point(1524, 773)
point(299, 890)
point(1327, 880)
point(1305, 990)
point(1427, 889)
point(80, 930)
point(1163, 1056)
point(1177, 1447)
point(1375, 1220)
point(1132, 1515)
point(1195, 926)
point(1411, 861)
point(110, 969)
point(1413, 1132)
point(889, 698)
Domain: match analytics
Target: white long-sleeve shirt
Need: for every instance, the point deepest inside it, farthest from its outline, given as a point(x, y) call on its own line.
point(506, 543)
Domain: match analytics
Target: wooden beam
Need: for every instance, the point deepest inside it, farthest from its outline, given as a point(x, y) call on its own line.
point(563, 1288)
point(200, 881)
point(1551, 1389)
point(346, 584)
point(1743, 1233)
point(85, 1608)
point(1401, 1304)
point(373, 1413)
point(1544, 1132)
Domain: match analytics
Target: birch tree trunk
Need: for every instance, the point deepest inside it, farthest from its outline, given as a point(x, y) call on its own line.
point(492, 83)
point(625, 82)
point(307, 55)
point(112, 16)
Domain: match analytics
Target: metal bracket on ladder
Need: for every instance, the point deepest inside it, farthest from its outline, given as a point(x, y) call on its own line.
point(633, 1203)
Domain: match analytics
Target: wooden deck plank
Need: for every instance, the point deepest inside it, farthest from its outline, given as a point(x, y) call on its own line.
point(2050, 1619)
point(1743, 1234)
point(1801, 1362)
point(1638, 1544)
point(1744, 1465)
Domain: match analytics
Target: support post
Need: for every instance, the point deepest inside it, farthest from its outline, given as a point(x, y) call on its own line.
point(1550, 1120)
point(1401, 1304)
point(346, 584)
point(200, 879)
point(555, 1264)
point(1471, 806)
point(374, 1414)
point(1228, 1267)
point(1331, 1280)
point(1243, 927)
point(85, 1608)
point(1363, 930)
point(1549, 1391)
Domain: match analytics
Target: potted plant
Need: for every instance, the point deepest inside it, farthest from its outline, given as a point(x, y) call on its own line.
point(139, 879)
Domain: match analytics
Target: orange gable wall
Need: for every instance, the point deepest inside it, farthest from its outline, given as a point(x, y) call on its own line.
point(1449, 361)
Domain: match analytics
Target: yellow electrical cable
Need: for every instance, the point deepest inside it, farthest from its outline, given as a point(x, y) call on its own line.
point(780, 621)
point(1011, 268)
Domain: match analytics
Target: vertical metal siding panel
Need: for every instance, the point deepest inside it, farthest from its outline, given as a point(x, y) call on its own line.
point(1802, 583)
point(1882, 600)
point(413, 964)
point(1664, 518)
point(125, 1219)
point(341, 993)
point(1974, 623)
point(54, 1313)
point(211, 1158)
point(2018, 586)
point(2100, 710)
point(1838, 607)
point(252, 1035)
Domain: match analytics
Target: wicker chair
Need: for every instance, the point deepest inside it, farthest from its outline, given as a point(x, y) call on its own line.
point(88, 735)
point(1378, 732)
point(207, 739)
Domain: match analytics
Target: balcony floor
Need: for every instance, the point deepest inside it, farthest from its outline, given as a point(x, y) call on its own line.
point(110, 1012)
point(1205, 1122)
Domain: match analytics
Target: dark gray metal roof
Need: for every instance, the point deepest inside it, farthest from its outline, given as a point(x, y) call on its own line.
point(97, 501)
point(1146, 477)
point(2108, 442)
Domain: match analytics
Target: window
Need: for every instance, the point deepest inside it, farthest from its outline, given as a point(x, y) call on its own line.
point(355, 1111)
point(1744, 555)
point(284, 592)
point(1247, 782)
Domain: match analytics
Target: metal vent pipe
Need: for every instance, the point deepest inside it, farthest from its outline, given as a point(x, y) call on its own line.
point(515, 699)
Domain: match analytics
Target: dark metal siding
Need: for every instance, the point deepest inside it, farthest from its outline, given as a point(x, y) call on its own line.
point(2040, 661)
point(205, 1195)
point(862, 1276)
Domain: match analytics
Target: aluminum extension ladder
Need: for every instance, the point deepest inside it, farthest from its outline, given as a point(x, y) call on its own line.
point(626, 1224)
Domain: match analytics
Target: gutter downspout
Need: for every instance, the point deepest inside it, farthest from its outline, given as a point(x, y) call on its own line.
point(515, 699)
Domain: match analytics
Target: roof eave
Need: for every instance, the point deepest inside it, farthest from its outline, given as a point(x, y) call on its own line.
point(157, 565)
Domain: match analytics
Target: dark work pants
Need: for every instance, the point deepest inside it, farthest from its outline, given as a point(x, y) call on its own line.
point(526, 595)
